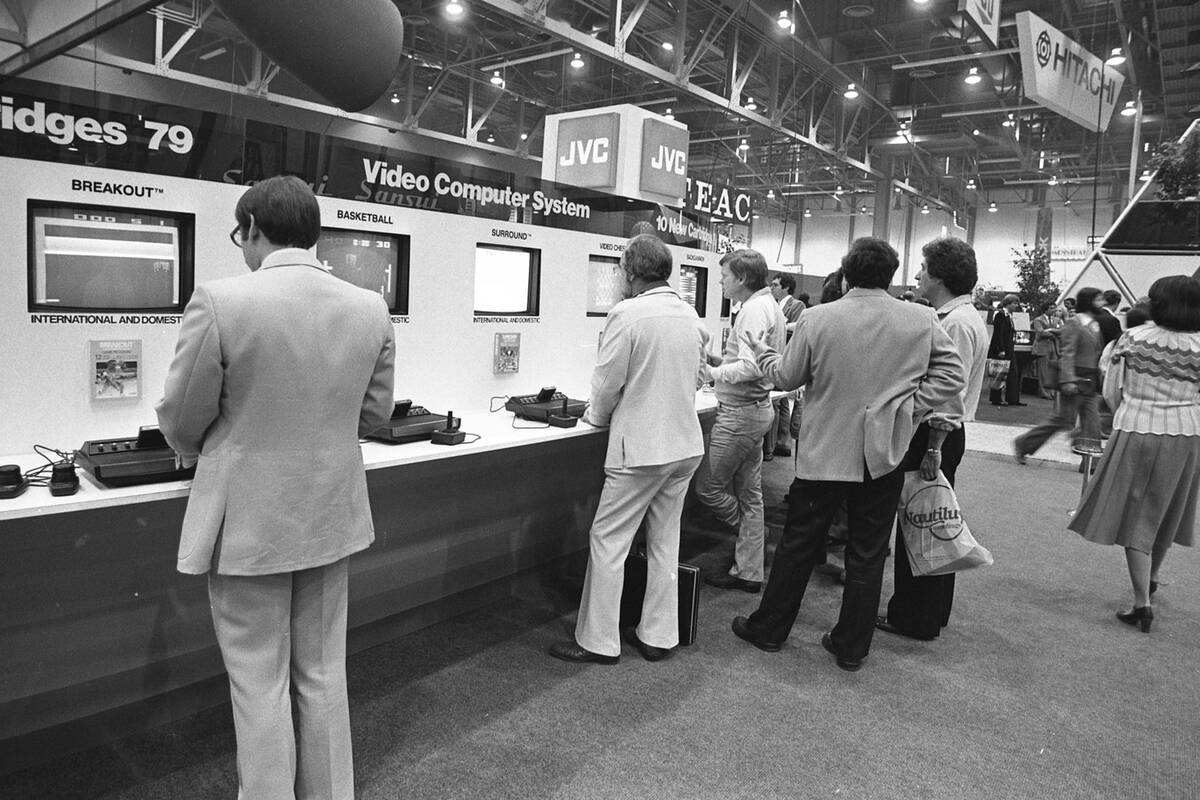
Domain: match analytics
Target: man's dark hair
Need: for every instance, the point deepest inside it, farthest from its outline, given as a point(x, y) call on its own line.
point(1112, 298)
point(805, 297)
point(748, 266)
point(284, 209)
point(1085, 300)
point(647, 258)
point(1138, 315)
point(1175, 303)
point(786, 280)
point(870, 264)
point(831, 289)
point(952, 261)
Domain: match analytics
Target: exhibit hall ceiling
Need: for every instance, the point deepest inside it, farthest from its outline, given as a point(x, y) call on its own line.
point(804, 104)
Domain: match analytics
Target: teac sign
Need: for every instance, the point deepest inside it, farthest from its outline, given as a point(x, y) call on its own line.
point(1064, 77)
point(588, 151)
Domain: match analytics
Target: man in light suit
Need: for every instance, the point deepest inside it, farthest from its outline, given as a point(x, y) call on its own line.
point(644, 389)
point(276, 375)
point(782, 287)
point(862, 403)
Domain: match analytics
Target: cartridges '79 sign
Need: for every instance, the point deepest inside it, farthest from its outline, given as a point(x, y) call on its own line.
point(37, 118)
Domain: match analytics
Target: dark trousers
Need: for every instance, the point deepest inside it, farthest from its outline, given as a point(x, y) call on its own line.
point(870, 509)
point(920, 606)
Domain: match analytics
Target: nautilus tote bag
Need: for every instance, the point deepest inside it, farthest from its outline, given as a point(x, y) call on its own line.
point(936, 538)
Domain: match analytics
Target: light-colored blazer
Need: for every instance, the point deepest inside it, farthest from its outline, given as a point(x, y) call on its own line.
point(645, 381)
point(873, 367)
point(276, 375)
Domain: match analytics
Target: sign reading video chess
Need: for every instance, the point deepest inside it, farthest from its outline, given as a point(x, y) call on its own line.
point(1064, 77)
point(623, 150)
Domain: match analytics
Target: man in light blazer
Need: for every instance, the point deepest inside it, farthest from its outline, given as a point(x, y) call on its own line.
point(862, 403)
point(644, 389)
point(276, 375)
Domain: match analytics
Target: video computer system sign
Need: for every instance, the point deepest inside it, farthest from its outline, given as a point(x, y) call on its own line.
point(1064, 77)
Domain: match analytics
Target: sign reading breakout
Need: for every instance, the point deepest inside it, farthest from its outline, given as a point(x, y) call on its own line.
point(622, 150)
point(986, 16)
point(1064, 77)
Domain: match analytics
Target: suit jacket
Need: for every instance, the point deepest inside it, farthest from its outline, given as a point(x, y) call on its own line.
point(1003, 335)
point(1045, 341)
point(1110, 326)
point(863, 400)
point(792, 308)
point(1080, 351)
point(645, 381)
point(276, 375)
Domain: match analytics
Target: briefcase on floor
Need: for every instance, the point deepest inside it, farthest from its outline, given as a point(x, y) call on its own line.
point(635, 592)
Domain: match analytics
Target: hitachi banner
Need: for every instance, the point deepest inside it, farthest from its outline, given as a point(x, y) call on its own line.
point(1064, 77)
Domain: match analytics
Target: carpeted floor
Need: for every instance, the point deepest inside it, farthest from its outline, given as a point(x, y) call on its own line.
point(1035, 691)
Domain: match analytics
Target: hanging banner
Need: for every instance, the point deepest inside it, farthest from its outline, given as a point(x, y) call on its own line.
point(1064, 77)
point(986, 16)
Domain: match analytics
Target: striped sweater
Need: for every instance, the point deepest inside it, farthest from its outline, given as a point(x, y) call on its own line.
point(1156, 372)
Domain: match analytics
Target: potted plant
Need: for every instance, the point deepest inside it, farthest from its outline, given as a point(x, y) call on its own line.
point(1177, 165)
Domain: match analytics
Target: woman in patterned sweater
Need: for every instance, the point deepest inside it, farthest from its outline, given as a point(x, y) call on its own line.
point(1143, 495)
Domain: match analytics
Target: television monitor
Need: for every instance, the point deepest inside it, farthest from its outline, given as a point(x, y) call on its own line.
point(693, 287)
point(1153, 225)
point(375, 261)
point(507, 280)
point(104, 258)
point(605, 285)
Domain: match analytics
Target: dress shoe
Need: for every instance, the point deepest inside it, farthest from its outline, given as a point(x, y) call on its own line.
point(727, 581)
point(648, 651)
point(848, 664)
point(780, 450)
point(570, 651)
point(741, 629)
point(768, 456)
point(1140, 617)
point(1018, 455)
point(882, 624)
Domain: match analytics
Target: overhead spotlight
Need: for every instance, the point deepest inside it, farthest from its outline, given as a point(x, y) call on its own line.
point(395, 98)
point(970, 183)
point(905, 129)
point(524, 136)
point(744, 146)
point(577, 61)
point(770, 194)
point(925, 208)
point(973, 76)
point(851, 92)
point(976, 132)
point(862, 209)
point(1130, 108)
point(808, 213)
point(1116, 58)
point(1145, 176)
point(992, 207)
point(454, 8)
point(784, 20)
point(669, 114)
point(838, 191)
point(751, 105)
point(1053, 181)
point(496, 79)
point(1010, 120)
point(668, 46)
point(1067, 202)
point(491, 138)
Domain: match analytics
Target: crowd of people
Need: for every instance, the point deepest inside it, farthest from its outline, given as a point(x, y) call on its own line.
point(275, 542)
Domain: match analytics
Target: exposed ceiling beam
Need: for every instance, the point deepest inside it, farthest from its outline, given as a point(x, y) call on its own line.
point(102, 18)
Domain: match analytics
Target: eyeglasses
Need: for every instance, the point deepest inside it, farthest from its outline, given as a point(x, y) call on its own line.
point(236, 237)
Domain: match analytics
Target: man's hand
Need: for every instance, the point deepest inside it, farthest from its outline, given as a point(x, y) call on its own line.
point(930, 465)
point(713, 360)
point(759, 345)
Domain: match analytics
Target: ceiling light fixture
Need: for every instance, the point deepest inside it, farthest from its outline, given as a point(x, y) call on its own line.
point(1010, 120)
point(496, 79)
point(668, 46)
point(992, 207)
point(851, 92)
point(1116, 58)
point(973, 76)
point(751, 105)
point(970, 183)
point(454, 8)
point(1145, 176)
point(838, 191)
point(1130, 108)
point(808, 213)
point(395, 98)
point(975, 132)
point(770, 194)
point(784, 20)
point(744, 146)
point(925, 208)
point(577, 61)
point(524, 136)
point(1053, 181)
point(491, 138)
point(669, 114)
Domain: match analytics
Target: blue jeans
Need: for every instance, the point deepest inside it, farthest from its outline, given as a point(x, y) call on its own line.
point(732, 484)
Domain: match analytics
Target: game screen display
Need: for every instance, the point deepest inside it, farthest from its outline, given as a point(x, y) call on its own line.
point(374, 261)
point(97, 258)
point(506, 280)
point(693, 287)
point(605, 285)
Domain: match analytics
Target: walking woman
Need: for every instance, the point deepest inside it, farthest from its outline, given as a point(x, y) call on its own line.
point(1143, 495)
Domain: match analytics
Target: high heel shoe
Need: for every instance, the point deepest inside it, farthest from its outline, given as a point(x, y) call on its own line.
point(1141, 616)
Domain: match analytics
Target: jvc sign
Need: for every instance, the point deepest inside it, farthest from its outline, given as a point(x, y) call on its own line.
point(664, 158)
point(588, 151)
point(1064, 77)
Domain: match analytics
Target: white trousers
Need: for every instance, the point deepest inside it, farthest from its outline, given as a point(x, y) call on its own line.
point(630, 495)
point(278, 633)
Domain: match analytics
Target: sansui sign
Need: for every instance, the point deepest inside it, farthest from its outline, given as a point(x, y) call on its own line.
point(588, 150)
point(1064, 77)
